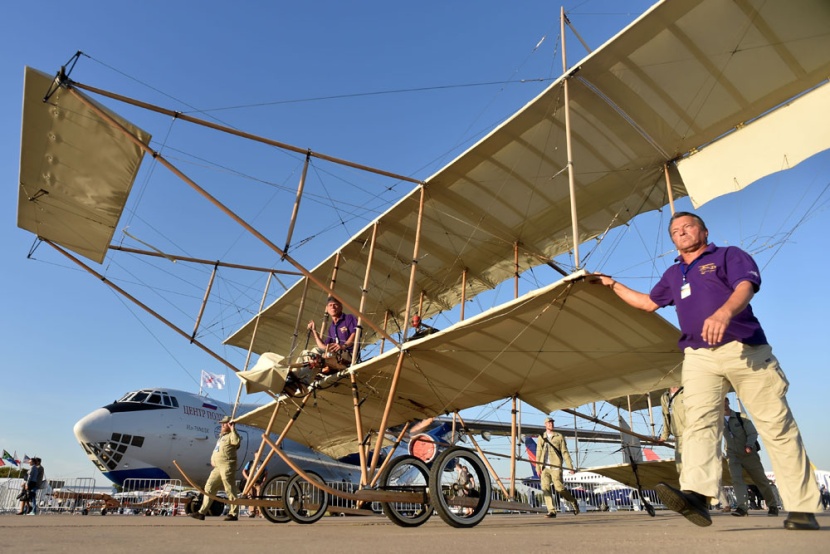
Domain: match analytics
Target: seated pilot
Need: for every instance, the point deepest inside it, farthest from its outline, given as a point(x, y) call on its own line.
point(421, 329)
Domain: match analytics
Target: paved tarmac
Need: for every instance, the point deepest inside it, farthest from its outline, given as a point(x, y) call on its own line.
point(502, 534)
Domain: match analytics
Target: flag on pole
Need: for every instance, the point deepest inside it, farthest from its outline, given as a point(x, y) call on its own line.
point(16, 459)
point(2, 463)
point(9, 458)
point(27, 459)
point(212, 381)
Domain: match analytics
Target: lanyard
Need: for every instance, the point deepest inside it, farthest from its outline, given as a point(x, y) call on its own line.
point(685, 270)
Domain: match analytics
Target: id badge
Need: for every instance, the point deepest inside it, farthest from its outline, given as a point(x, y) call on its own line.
point(686, 290)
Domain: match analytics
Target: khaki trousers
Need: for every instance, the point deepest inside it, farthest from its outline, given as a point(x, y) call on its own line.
point(760, 383)
point(221, 478)
point(752, 464)
point(553, 476)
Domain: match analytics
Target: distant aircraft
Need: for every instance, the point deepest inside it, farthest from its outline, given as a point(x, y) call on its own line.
point(138, 436)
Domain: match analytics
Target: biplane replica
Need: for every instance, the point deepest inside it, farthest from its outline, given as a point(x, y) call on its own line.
point(693, 98)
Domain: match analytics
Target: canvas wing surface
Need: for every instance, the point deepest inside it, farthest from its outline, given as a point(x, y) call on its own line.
point(567, 344)
point(76, 170)
point(686, 73)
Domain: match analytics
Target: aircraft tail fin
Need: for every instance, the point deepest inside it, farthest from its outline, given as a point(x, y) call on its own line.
point(651, 455)
point(530, 447)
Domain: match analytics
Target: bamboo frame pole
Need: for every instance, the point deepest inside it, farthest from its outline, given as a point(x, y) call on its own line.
point(668, 187)
point(297, 200)
point(484, 458)
point(513, 440)
point(463, 293)
point(204, 303)
point(173, 257)
point(393, 389)
point(569, 147)
point(361, 451)
point(516, 269)
point(285, 146)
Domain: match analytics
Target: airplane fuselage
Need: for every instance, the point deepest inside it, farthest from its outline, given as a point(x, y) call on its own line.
point(139, 436)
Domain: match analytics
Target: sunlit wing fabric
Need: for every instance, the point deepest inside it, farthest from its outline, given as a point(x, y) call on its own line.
point(650, 473)
point(656, 471)
point(268, 374)
point(684, 74)
point(76, 170)
point(561, 346)
point(773, 143)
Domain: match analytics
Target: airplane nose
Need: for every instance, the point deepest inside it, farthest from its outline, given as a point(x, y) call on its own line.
point(95, 427)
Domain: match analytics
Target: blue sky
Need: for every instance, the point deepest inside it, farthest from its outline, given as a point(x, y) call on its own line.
point(403, 87)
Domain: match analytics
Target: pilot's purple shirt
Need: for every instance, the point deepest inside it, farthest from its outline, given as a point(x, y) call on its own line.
point(712, 277)
point(341, 331)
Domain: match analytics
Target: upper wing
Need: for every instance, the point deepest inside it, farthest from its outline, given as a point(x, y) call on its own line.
point(686, 73)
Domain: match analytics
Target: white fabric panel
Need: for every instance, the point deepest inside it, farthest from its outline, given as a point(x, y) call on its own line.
point(778, 141)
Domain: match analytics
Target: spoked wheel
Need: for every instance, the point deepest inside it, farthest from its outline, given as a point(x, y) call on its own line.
point(305, 503)
point(274, 490)
point(459, 505)
point(406, 474)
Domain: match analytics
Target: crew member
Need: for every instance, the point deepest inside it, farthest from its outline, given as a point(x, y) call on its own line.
point(723, 345)
point(337, 345)
point(551, 452)
point(742, 453)
point(223, 474)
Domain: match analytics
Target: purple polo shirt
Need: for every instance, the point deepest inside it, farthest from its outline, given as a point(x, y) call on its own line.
point(713, 277)
point(341, 331)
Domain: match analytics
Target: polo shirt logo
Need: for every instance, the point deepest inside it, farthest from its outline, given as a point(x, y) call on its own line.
point(707, 268)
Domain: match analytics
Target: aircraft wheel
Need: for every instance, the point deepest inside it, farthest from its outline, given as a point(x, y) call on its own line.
point(274, 489)
point(305, 503)
point(103, 511)
point(84, 512)
point(406, 474)
point(444, 491)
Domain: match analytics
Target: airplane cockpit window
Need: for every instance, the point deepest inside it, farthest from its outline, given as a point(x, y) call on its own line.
point(140, 396)
point(166, 400)
point(155, 398)
point(175, 402)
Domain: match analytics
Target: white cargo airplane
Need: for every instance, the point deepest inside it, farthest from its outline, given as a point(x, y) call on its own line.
point(138, 437)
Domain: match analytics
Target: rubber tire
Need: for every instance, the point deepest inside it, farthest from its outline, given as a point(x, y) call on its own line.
point(388, 482)
point(439, 487)
point(274, 489)
point(298, 492)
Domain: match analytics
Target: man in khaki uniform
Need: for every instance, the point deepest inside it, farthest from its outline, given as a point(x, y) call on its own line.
point(223, 475)
point(741, 440)
point(724, 345)
point(674, 421)
point(551, 452)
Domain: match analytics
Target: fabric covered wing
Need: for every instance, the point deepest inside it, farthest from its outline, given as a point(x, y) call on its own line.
point(76, 170)
point(561, 346)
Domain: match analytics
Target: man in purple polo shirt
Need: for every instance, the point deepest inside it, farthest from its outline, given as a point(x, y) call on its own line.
point(724, 345)
point(338, 343)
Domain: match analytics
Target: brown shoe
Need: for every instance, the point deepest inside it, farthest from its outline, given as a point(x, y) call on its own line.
point(197, 515)
point(230, 518)
point(550, 514)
